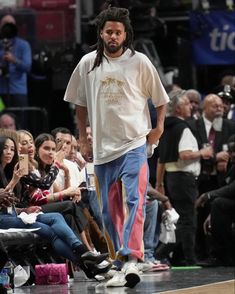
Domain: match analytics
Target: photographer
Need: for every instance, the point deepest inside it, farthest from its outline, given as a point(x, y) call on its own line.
point(15, 63)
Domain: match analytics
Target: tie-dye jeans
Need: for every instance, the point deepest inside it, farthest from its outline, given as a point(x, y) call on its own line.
point(121, 189)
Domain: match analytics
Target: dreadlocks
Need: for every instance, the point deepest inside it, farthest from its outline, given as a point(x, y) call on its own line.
point(112, 14)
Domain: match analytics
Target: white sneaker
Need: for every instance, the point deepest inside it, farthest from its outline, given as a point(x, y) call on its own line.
point(118, 280)
point(144, 266)
point(132, 274)
point(110, 274)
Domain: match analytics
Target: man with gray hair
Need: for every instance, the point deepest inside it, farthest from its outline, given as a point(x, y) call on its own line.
point(195, 99)
point(178, 152)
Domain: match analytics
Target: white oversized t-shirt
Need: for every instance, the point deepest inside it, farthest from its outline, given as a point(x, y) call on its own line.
point(115, 94)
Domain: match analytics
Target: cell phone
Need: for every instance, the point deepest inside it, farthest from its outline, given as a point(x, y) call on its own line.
point(24, 163)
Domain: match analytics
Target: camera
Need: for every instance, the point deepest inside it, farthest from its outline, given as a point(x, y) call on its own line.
point(6, 44)
point(226, 92)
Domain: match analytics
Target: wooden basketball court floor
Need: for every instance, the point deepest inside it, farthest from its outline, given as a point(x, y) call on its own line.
point(220, 280)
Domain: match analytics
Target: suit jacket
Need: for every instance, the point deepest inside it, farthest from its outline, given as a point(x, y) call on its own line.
point(227, 191)
point(199, 130)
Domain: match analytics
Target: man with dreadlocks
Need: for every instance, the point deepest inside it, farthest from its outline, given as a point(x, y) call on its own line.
point(112, 85)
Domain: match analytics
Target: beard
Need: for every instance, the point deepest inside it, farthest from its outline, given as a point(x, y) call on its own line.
point(113, 48)
point(217, 123)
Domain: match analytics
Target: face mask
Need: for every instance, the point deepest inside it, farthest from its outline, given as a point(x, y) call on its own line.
point(8, 31)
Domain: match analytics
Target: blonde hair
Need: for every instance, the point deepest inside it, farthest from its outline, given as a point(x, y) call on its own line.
point(32, 162)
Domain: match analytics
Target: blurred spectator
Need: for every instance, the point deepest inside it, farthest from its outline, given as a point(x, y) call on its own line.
point(152, 222)
point(15, 63)
point(227, 94)
point(195, 100)
point(75, 156)
point(8, 121)
point(222, 216)
point(89, 196)
point(214, 130)
point(178, 151)
point(228, 78)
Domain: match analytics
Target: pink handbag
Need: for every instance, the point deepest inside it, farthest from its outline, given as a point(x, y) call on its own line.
point(51, 274)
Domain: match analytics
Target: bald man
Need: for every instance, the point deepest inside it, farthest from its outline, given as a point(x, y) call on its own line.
point(7, 19)
point(215, 130)
point(15, 64)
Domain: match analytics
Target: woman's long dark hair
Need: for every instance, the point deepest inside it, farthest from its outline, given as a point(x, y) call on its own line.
point(112, 14)
point(38, 143)
point(6, 173)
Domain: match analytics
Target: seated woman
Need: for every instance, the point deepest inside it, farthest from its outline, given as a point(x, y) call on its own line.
point(38, 185)
point(89, 200)
point(51, 226)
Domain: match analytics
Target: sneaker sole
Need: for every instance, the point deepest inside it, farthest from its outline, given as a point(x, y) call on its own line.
point(132, 279)
point(118, 280)
point(116, 284)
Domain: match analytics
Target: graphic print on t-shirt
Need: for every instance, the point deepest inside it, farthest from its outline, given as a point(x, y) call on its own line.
point(112, 90)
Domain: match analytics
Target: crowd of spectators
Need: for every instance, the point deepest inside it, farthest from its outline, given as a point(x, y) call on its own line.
point(192, 172)
point(197, 177)
point(189, 173)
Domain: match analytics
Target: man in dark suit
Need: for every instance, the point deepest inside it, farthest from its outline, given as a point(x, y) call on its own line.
point(211, 129)
point(222, 215)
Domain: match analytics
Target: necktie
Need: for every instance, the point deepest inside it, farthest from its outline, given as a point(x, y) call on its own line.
point(211, 137)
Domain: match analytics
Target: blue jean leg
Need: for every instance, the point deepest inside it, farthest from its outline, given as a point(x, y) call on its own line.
point(52, 227)
point(151, 230)
point(90, 197)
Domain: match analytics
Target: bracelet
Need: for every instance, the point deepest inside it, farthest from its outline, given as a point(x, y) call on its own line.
point(160, 184)
point(61, 197)
point(53, 197)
